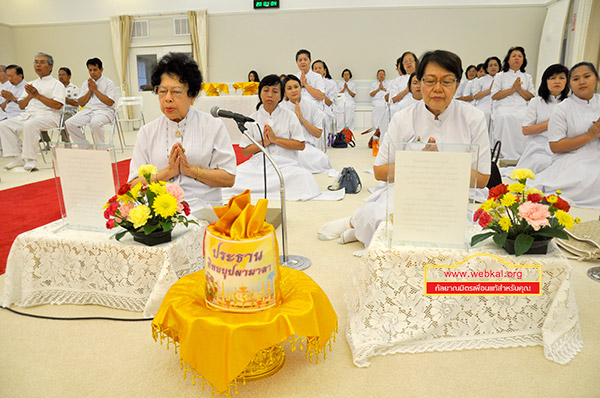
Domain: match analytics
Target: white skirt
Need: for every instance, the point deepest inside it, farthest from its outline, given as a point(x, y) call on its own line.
point(537, 155)
point(508, 121)
point(314, 160)
point(576, 175)
point(381, 118)
point(299, 183)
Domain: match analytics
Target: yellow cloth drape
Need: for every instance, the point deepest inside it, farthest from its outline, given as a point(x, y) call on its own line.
point(215, 89)
point(240, 220)
point(219, 345)
point(248, 88)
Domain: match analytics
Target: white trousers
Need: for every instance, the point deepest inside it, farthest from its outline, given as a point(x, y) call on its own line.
point(381, 117)
point(96, 120)
point(11, 128)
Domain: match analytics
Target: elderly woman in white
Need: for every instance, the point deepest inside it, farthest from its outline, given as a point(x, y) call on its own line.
point(439, 118)
point(188, 147)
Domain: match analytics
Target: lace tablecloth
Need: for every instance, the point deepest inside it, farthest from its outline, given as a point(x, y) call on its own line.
point(49, 265)
point(389, 313)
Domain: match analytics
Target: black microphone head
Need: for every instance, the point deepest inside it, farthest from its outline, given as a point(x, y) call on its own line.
point(214, 111)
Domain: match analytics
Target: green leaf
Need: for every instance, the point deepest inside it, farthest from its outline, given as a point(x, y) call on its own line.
point(474, 240)
point(166, 225)
point(523, 243)
point(148, 229)
point(500, 239)
point(119, 235)
point(552, 233)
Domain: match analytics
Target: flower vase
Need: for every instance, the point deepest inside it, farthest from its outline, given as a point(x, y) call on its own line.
point(537, 247)
point(154, 238)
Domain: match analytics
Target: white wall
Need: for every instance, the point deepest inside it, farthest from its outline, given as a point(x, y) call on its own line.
point(19, 12)
point(7, 50)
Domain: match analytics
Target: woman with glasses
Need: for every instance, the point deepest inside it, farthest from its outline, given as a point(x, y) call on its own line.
point(439, 118)
point(283, 139)
point(574, 136)
point(188, 147)
point(406, 65)
point(512, 89)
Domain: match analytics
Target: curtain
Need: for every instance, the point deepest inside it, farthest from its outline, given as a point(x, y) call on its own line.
point(120, 29)
point(199, 33)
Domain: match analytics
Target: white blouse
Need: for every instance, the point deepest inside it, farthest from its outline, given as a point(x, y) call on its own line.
point(284, 123)
point(206, 143)
point(460, 123)
point(505, 80)
point(573, 117)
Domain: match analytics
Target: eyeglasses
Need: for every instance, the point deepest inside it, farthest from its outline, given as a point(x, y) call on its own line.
point(176, 92)
point(431, 81)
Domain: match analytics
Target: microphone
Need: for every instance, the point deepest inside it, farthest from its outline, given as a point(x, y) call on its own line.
point(238, 117)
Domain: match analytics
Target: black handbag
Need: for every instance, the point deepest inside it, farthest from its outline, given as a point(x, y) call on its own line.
point(495, 177)
point(340, 141)
point(347, 179)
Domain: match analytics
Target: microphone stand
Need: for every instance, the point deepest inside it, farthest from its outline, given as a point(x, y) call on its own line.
point(290, 261)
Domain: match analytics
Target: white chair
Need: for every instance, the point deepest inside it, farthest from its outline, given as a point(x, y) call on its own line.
point(126, 111)
point(46, 136)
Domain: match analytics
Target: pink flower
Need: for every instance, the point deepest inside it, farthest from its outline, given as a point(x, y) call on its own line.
point(535, 214)
point(484, 219)
point(176, 191)
point(125, 209)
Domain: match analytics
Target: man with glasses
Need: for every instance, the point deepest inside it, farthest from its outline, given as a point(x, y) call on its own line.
point(97, 95)
point(42, 101)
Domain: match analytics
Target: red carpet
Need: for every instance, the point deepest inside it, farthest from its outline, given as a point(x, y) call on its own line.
point(33, 205)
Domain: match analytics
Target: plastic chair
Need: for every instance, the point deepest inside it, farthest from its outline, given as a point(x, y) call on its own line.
point(46, 136)
point(125, 111)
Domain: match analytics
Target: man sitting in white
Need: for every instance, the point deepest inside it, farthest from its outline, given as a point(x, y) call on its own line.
point(4, 83)
point(42, 100)
point(13, 91)
point(97, 94)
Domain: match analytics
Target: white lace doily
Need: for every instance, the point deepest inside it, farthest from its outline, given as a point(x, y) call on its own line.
point(389, 312)
point(82, 267)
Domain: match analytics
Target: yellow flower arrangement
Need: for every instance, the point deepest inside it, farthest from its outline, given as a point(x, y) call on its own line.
point(147, 206)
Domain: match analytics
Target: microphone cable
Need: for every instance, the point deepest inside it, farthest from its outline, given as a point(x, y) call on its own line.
point(82, 318)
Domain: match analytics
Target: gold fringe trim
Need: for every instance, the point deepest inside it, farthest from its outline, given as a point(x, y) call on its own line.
point(308, 344)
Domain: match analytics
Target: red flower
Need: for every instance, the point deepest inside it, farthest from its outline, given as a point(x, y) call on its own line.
point(562, 204)
point(484, 219)
point(124, 189)
point(477, 214)
point(498, 191)
point(534, 197)
point(113, 199)
point(107, 213)
point(110, 224)
point(186, 208)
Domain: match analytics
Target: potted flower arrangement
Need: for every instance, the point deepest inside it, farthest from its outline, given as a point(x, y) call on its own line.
point(522, 220)
point(149, 210)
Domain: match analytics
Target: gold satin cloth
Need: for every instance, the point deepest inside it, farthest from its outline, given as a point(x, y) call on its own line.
point(240, 220)
point(219, 345)
point(215, 89)
point(248, 88)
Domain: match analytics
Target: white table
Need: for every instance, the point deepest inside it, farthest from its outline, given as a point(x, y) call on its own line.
point(244, 104)
point(81, 267)
point(389, 313)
